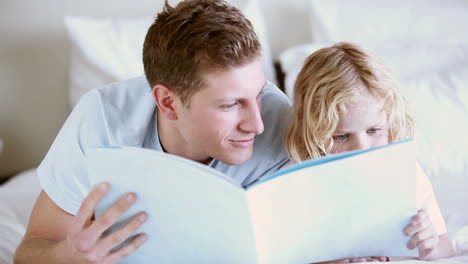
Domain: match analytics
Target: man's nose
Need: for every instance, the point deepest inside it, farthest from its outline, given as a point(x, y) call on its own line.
point(253, 122)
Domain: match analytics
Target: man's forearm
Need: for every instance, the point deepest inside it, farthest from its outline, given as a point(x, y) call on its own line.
point(36, 250)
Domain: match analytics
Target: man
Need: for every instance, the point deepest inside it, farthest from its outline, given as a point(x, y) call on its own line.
point(203, 102)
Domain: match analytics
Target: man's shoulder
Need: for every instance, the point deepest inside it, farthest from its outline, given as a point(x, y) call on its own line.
point(126, 91)
point(124, 110)
point(276, 108)
point(272, 94)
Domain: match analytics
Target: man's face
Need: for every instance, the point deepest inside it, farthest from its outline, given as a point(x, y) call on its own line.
point(224, 116)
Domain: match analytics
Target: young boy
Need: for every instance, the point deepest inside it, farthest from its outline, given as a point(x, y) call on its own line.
point(344, 100)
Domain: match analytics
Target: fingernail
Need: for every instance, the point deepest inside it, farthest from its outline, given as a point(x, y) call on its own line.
point(103, 187)
point(143, 217)
point(143, 238)
point(131, 198)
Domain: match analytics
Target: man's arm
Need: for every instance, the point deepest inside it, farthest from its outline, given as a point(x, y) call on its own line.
point(54, 236)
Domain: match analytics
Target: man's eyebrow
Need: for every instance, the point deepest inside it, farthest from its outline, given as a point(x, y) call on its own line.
point(239, 98)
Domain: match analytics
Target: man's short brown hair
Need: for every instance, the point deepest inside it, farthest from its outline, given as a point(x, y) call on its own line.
point(195, 37)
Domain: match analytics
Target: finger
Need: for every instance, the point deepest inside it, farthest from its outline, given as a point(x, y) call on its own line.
point(377, 259)
point(117, 237)
point(127, 250)
point(382, 259)
point(110, 216)
point(419, 217)
point(358, 260)
point(417, 226)
point(428, 243)
point(420, 237)
point(86, 211)
point(425, 254)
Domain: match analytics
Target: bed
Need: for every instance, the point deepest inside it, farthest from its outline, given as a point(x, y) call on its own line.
point(416, 39)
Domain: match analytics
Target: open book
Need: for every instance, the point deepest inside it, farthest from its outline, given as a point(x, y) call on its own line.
point(346, 205)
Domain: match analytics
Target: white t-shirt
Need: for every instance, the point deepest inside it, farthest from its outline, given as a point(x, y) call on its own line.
point(124, 114)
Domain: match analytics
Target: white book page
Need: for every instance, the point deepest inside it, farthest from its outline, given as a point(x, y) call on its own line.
point(196, 215)
point(351, 207)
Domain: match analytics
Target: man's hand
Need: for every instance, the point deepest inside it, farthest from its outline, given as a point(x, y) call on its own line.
point(85, 242)
point(423, 235)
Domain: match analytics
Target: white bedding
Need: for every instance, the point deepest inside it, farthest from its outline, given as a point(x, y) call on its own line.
point(17, 198)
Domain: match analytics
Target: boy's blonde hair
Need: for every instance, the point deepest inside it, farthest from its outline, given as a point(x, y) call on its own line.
point(330, 78)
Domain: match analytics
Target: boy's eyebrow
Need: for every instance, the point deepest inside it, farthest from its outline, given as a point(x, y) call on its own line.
point(380, 124)
point(339, 133)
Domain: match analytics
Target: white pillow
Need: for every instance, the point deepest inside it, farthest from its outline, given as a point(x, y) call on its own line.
point(17, 198)
point(106, 50)
point(407, 60)
point(373, 23)
point(439, 104)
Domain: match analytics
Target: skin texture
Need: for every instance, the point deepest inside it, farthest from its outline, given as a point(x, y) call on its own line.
point(363, 126)
point(222, 119)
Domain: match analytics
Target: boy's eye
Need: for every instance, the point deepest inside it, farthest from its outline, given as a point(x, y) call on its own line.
point(372, 130)
point(341, 137)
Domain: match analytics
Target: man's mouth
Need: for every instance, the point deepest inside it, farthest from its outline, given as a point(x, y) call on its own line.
point(243, 142)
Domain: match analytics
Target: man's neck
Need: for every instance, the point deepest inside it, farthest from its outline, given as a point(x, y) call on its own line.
point(172, 141)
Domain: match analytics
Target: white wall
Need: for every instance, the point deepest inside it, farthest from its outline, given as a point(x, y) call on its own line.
point(287, 23)
point(34, 58)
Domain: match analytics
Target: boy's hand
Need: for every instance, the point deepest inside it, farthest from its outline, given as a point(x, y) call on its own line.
point(423, 235)
point(355, 260)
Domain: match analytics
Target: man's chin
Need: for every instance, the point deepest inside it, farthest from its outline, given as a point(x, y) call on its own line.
point(234, 158)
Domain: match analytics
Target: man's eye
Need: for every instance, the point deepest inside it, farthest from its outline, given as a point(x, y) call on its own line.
point(341, 137)
point(228, 106)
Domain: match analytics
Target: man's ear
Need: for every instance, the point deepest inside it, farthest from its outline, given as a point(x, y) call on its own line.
point(166, 101)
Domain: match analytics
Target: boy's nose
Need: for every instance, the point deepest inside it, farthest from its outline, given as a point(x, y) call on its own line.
point(361, 143)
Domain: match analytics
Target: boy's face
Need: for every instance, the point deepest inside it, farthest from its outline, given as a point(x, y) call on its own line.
point(363, 126)
point(224, 116)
